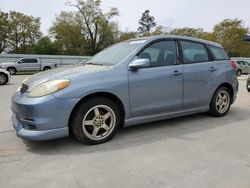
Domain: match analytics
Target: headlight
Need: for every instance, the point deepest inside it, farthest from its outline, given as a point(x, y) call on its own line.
point(48, 87)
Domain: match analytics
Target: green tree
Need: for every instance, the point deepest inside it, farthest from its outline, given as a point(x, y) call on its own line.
point(24, 32)
point(45, 46)
point(230, 33)
point(189, 32)
point(159, 30)
point(4, 28)
point(97, 25)
point(127, 35)
point(67, 31)
point(147, 23)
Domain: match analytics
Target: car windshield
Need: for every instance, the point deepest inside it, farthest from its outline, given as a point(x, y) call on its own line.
point(115, 54)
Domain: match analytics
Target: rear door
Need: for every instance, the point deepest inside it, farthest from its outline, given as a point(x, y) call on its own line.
point(199, 74)
point(158, 88)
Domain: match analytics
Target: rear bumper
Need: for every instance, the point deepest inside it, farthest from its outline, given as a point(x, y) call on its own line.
point(42, 118)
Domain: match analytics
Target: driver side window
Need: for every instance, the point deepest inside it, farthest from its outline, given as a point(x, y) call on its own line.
point(161, 53)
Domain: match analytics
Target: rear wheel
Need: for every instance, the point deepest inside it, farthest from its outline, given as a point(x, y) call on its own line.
point(221, 102)
point(12, 70)
point(96, 121)
point(239, 72)
point(3, 79)
point(46, 68)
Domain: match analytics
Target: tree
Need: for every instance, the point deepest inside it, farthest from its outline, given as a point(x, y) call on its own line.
point(4, 28)
point(190, 32)
point(24, 32)
point(147, 23)
point(97, 26)
point(45, 46)
point(67, 31)
point(159, 30)
point(127, 35)
point(230, 33)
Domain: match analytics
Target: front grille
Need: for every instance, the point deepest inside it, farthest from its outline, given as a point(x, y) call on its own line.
point(24, 88)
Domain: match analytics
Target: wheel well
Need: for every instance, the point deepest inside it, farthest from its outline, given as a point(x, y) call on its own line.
point(107, 95)
point(46, 67)
point(230, 88)
point(11, 67)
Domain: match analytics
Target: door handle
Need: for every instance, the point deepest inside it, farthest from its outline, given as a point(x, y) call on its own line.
point(212, 69)
point(176, 73)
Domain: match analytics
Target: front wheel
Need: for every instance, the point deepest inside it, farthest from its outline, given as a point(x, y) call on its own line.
point(220, 103)
point(248, 85)
point(96, 121)
point(12, 70)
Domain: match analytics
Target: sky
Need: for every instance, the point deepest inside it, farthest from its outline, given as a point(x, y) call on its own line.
point(168, 13)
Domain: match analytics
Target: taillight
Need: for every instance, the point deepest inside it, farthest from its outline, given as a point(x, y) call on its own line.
point(233, 64)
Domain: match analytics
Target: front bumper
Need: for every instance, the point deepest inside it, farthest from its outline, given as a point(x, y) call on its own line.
point(38, 135)
point(42, 118)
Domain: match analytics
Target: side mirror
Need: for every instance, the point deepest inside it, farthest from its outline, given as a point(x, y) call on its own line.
point(139, 64)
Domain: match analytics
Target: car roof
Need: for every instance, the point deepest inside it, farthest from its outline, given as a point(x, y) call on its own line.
point(152, 38)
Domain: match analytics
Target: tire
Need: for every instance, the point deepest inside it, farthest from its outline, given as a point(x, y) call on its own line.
point(221, 102)
point(3, 79)
point(239, 72)
point(12, 70)
point(95, 121)
point(46, 68)
point(248, 85)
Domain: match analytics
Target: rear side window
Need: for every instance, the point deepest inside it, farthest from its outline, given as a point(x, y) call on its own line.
point(194, 52)
point(219, 53)
point(29, 60)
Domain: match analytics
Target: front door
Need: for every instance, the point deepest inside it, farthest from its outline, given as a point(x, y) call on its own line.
point(158, 88)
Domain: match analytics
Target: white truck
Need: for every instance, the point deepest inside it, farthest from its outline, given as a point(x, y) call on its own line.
point(26, 65)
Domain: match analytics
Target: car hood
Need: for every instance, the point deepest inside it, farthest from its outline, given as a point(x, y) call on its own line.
point(8, 63)
point(72, 73)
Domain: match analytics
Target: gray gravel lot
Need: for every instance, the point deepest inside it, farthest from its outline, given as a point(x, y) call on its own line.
point(194, 151)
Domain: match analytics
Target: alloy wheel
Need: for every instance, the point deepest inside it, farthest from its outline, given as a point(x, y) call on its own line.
point(99, 122)
point(222, 102)
point(12, 71)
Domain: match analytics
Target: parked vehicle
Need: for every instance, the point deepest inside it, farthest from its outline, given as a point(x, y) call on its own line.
point(248, 84)
point(243, 67)
point(26, 64)
point(145, 80)
point(4, 77)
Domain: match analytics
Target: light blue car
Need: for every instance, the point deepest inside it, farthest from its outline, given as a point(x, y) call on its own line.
point(132, 82)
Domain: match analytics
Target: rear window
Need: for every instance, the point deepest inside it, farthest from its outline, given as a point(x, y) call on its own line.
point(219, 53)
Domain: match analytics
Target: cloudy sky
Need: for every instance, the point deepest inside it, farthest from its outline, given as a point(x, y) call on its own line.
point(169, 13)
